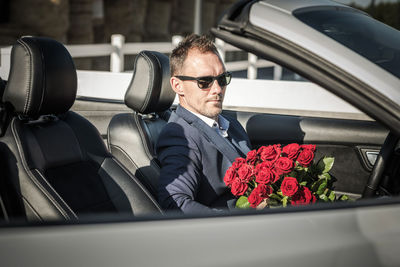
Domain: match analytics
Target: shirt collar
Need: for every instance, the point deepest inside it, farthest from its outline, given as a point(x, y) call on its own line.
point(221, 124)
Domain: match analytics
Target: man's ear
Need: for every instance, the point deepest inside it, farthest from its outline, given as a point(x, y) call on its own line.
point(176, 85)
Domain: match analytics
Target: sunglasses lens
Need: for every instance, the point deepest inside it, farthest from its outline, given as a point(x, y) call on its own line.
point(204, 82)
point(224, 79)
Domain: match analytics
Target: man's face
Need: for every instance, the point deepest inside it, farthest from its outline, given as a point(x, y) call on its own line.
point(207, 102)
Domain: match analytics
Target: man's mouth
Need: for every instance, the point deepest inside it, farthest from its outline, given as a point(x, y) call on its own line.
point(214, 100)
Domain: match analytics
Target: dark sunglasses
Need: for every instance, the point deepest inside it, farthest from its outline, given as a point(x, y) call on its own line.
point(205, 82)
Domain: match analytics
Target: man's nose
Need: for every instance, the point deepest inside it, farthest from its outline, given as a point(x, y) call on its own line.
point(215, 87)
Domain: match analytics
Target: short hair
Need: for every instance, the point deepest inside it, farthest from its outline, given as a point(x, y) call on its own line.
point(193, 41)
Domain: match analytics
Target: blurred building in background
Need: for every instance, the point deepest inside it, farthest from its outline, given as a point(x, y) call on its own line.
point(93, 21)
point(88, 21)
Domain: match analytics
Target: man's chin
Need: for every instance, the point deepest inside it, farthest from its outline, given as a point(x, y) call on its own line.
point(213, 112)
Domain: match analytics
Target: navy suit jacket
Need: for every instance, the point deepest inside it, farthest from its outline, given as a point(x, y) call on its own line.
point(194, 159)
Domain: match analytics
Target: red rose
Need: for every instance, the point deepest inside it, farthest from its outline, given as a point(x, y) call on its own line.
point(289, 186)
point(238, 187)
point(229, 176)
point(245, 173)
point(269, 164)
point(269, 153)
point(284, 165)
point(303, 197)
point(259, 193)
point(291, 150)
point(308, 147)
point(252, 157)
point(238, 163)
point(305, 158)
point(264, 173)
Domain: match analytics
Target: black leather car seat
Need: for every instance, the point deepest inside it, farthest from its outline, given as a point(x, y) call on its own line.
point(54, 162)
point(132, 136)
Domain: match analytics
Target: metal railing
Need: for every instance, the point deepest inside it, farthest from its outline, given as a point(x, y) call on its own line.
point(118, 48)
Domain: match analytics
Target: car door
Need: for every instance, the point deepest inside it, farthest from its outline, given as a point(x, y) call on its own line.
point(281, 32)
point(353, 143)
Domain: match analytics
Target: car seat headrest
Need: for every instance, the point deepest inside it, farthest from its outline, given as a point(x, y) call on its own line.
point(42, 77)
point(149, 90)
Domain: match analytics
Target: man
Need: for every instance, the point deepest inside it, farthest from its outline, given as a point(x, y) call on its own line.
point(198, 145)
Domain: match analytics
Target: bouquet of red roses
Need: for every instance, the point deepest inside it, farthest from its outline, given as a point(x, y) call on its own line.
point(273, 176)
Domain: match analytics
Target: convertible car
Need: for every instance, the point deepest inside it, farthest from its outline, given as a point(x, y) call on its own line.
point(79, 175)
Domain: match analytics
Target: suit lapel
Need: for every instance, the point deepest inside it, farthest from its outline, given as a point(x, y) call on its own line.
point(238, 140)
point(221, 143)
point(242, 149)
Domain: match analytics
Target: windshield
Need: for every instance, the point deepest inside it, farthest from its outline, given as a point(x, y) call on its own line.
point(373, 40)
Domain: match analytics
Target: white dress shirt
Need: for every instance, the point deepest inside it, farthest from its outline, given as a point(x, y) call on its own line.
point(221, 126)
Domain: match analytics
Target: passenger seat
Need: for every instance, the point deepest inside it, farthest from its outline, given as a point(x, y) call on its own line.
point(54, 162)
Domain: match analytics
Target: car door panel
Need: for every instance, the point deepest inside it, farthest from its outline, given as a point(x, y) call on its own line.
point(99, 112)
point(350, 142)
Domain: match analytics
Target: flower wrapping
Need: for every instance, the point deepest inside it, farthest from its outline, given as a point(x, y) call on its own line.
point(273, 176)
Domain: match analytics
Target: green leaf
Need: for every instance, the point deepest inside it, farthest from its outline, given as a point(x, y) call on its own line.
point(284, 201)
point(322, 186)
point(323, 197)
point(325, 164)
point(344, 198)
point(326, 176)
point(299, 168)
point(304, 183)
point(319, 186)
point(332, 196)
point(242, 203)
point(275, 197)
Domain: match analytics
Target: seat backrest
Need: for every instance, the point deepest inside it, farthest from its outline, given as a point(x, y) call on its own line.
point(54, 161)
point(132, 136)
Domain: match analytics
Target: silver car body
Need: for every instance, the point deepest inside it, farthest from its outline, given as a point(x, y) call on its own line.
point(364, 233)
point(276, 16)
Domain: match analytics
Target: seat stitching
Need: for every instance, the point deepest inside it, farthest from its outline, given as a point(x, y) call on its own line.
point(125, 154)
point(40, 186)
point(55, 192)
point(33, 179)
point(161, 71)
point(109, 138)
point(138, 183)
point(148, 92)
point(130, 159)
point(43, 77)
point(28, 92)
point(33, 210)
point(142, 135)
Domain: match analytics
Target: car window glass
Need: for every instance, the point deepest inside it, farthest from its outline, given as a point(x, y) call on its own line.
point(373, 40)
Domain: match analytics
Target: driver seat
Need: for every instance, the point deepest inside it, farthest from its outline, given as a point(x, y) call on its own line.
point(132, 137)
point(54, 162)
